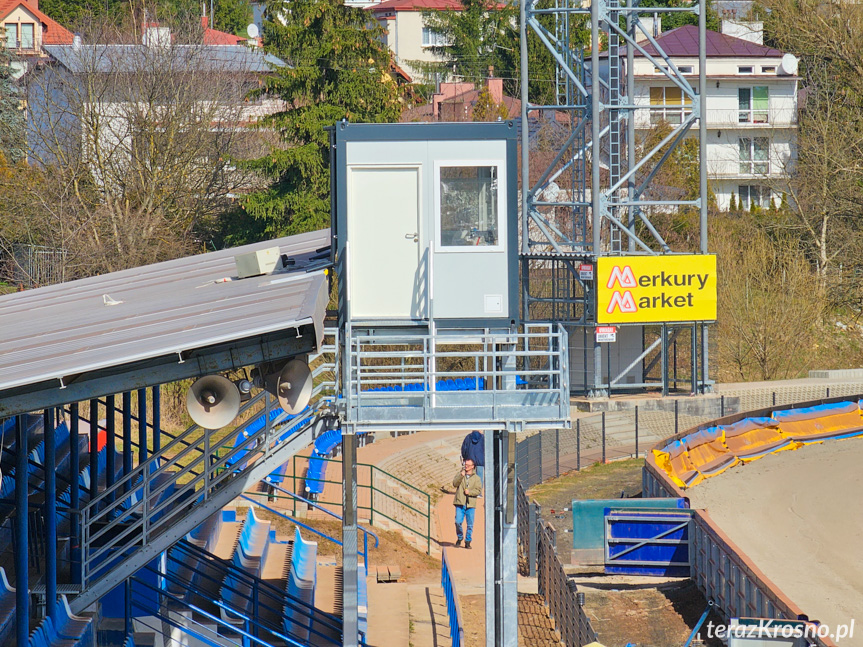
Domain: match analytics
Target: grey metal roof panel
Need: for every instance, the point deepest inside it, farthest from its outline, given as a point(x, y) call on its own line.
point(161, 309)
point(121, 58)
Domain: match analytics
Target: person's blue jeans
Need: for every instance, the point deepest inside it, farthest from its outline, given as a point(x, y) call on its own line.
point(480, 470)
point(462, 513)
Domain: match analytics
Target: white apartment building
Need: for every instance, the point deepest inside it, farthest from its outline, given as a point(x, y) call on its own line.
point(406, 33)
point(751, 107)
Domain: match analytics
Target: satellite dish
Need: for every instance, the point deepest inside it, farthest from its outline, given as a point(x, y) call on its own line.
point(294, 386)
point(213, 401)
point(253, 31)
point(788, 65)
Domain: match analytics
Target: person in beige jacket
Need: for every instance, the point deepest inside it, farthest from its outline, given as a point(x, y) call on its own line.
point(468, 487)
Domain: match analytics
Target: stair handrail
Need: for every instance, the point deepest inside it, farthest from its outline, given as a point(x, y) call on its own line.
point(247, 636)
point(308, 611)
point(298, 497)
point(424, 496)
point(142, 468)
point(364, 552)
point(271, 590)
point(214, 471)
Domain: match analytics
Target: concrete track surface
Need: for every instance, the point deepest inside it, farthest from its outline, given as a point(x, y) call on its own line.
point(799, 516)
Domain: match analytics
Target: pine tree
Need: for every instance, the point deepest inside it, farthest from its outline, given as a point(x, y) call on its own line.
point(482, 34)
point(336, 68)
point(732, 206)
point(11, 115)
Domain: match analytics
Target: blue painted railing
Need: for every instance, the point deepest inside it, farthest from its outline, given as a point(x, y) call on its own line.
point(366, 532)
point(453, 608)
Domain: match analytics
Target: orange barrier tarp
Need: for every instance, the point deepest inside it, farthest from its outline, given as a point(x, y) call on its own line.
point(816, 424)
point(751, 438)
point(707, 452)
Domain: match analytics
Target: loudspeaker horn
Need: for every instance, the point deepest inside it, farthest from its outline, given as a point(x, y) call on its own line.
point(294, 386)
point(213, 401)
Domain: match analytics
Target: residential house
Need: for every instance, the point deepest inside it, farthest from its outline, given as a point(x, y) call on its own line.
point(101, 101)
point(751, 98)
point(407, 35)
point(26, 30)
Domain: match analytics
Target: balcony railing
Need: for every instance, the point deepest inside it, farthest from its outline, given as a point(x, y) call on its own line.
point(731, 118)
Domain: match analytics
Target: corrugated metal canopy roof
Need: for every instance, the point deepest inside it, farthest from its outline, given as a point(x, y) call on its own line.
point(116, 59)
point(65, 330)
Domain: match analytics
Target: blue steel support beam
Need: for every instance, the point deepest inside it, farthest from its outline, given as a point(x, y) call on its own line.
point(50, 515)
point(127, 436)
point(110, 445)
point(94, 449)
point(142, 425)
point(74, 502)
point(22, 586)
point(157, 419)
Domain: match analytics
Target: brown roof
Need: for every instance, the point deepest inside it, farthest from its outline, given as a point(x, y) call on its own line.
point(53, 33)
point(415, 5)
point(683, 41)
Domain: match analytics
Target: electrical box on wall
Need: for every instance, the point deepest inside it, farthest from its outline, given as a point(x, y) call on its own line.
point(425, 222)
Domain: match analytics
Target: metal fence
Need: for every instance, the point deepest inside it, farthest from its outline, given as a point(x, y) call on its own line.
point(528, 514)
point(610, 435)
point(453, 608)
point(565, 603)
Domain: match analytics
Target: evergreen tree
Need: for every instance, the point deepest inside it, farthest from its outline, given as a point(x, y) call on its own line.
point(232, 16)
point(732, 206)
point(11, 115)
point(482, 35)
point(486, 109)
point(336, 68)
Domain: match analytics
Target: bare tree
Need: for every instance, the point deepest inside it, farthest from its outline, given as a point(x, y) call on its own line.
point(768, 308)
point(131, 141)
point(825, 181)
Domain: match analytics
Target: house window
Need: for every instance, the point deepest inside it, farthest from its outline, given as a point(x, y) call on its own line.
point(754, 155)
point(754, 195)
point(469, 206)
point(744, 69)
point(11, 35)
point(669, 104)
point(768, 69)
point(431, 38)
point(684, 69)
point(752, 105)
point(27, 35)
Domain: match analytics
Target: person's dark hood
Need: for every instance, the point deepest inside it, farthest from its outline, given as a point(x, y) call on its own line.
point(475, 437)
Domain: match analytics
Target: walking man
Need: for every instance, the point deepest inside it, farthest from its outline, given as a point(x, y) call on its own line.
point(467, 488)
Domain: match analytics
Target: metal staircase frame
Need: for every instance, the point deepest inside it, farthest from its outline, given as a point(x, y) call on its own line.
point(148, 526)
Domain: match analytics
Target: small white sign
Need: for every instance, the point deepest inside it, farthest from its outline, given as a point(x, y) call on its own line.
point(605, 334)
point(585, 272)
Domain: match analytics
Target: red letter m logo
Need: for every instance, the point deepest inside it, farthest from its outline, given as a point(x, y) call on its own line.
point(623, 301)
point(624, 277)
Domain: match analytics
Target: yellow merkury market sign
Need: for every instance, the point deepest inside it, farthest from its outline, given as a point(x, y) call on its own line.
point(653, 289)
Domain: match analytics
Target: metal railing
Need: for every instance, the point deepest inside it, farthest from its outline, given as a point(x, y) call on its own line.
point(565, 604)
point(366, 532)
point(379, 493)
point(189, 470)
point(459, 375)
point(453, 606)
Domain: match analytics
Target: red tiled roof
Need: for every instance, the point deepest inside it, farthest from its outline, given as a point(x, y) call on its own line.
point(683, 41)
point(415, 5)
point(53, 33)
point(216, 37)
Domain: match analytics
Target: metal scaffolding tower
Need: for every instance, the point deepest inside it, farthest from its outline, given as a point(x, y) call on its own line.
point(588, 196)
